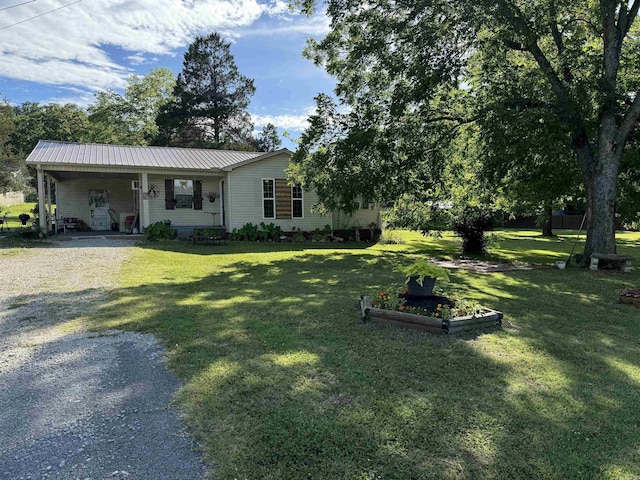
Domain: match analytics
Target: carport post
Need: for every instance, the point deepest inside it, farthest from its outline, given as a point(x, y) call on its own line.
point(42, 212)
point(50, 216)
point(144, 211)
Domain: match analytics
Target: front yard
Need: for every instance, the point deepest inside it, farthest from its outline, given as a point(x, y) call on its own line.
point(282, 380)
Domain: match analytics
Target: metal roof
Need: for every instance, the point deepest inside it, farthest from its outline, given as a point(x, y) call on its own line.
point(92, 154)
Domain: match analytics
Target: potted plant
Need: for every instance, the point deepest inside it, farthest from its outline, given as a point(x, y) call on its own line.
point(212, 196)
point(421, 277)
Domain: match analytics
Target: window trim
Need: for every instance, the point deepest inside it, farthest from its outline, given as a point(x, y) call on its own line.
point(301, 199)
point(273, 199)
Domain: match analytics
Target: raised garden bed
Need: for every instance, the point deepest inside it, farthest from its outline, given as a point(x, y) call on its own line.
point(483, 319)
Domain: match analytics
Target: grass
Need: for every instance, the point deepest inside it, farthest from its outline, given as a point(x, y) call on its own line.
point(282, 380)
point(12, 214)
point(11, 242)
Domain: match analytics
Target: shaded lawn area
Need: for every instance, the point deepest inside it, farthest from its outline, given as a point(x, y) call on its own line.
point(282, 380)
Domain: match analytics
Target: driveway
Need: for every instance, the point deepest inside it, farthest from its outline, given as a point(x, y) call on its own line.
point(76, 404)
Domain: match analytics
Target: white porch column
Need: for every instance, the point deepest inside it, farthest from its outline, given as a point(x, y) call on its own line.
point(50, 219)
point(42, 215)
point(144, 211)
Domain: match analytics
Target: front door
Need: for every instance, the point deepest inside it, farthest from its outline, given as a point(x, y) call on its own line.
point(99, 207)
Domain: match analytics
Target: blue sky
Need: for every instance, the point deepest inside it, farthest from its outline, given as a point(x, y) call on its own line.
point(67, 55)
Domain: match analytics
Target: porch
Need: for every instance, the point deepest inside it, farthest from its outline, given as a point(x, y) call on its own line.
point(98, 201)
point(112, 201)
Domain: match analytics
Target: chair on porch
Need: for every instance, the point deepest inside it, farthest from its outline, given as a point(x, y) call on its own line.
point(65, 223)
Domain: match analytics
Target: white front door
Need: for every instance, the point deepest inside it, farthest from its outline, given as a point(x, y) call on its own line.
point(99, 207)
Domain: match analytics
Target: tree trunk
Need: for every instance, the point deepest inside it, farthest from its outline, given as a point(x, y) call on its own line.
point(547, 229)
point(601, 198)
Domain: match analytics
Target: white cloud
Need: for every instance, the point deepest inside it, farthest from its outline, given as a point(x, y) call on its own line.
point(315, 26)
point(67, 47)
point(286, 122)
point(277, 7)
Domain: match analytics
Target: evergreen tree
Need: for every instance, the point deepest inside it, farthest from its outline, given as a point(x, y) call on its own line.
point(211, 98)
point(269, 141)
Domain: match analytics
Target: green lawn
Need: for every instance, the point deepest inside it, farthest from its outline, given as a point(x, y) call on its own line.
point(13, 212)
point(283, 381)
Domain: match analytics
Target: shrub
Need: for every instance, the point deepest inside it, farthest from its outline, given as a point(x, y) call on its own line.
point(249, 231)
point(159, 231)
point(391, 237)
point(470, 225)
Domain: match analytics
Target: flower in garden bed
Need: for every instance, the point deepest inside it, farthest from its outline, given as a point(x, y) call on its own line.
point(393, 298)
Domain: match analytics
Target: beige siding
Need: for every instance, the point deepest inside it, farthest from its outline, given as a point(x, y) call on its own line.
point(361, 218)
point(184, 217)
point(246, 196)
point(73, 196)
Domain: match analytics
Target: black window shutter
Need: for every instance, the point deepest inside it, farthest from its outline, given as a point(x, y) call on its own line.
point(197, 195)
point(169, 204)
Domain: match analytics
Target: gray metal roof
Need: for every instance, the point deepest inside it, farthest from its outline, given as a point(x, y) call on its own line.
point(91, 154)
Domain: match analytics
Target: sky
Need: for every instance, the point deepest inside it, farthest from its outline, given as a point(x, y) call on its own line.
point(66, 55)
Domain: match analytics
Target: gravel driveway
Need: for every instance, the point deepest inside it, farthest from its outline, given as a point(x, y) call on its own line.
point(75, 404)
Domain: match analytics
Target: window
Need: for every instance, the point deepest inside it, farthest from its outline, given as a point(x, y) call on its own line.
point(296, 201)
point(268, 198)
point(183, 193)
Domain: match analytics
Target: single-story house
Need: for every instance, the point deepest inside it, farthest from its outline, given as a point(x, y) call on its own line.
point(104, 184)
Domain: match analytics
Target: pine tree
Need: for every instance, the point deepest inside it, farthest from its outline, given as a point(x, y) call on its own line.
point(212, 97)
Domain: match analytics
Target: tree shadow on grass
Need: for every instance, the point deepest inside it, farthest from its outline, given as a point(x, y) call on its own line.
point(240, 247)
point(283, 381)
point(574, 391)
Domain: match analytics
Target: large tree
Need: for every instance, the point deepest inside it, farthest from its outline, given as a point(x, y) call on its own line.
point(11, 165)
point(34, 122)
point(412, 72)
point(130, 119)
point(211, 98)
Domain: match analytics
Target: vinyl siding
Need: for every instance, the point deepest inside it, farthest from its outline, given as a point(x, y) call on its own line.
point(73, 196)
point(185, 217)
point(361, 218)
point(246, 196)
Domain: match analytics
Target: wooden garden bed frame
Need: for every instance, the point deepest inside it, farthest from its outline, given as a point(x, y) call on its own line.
point(488, 318)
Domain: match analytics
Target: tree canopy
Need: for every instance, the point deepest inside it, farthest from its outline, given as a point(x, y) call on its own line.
point(411, 74)
point(10, 162)
point(130, 119)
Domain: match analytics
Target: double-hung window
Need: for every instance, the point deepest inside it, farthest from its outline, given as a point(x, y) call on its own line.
point(297, 206)
point(183, 193)
point(268, 198)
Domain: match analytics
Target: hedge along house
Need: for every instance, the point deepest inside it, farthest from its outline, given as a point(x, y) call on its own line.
point(99, 183)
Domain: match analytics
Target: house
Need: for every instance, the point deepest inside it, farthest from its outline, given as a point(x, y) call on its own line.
point(104, 184)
